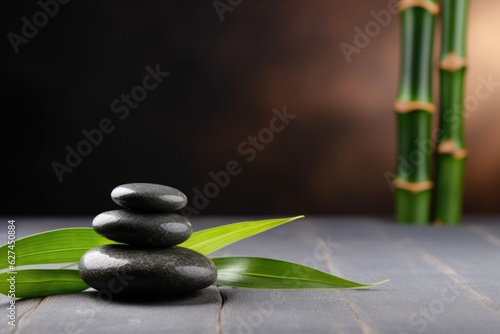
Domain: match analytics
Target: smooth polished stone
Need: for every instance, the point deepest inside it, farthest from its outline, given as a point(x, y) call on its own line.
point(148, 197)
point(124, 271)
point(153, 229)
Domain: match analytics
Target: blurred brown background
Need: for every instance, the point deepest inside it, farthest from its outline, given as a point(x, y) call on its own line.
point(225, 79)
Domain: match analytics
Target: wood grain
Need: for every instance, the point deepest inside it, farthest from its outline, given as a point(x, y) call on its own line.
point(443, 280)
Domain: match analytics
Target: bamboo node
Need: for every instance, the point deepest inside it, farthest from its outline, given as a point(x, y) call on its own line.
point(453, 62)
point(405, 107)
point(413, 187)
point(451, 148)
point(431, 7)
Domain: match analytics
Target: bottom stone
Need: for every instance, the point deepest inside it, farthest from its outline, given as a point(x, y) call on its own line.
point(128, 271)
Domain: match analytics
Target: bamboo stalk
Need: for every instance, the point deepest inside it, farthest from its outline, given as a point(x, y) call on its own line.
point(451, 143)
point(414, 107)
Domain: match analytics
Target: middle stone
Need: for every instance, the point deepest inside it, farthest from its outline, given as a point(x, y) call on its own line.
point(143, 229)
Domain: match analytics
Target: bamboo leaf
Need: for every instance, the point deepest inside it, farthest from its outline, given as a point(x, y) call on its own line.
point(212, 239)
point(69, 244)
point(263, 273)
point(240, 272)
point(57, 246)
point(42, 282)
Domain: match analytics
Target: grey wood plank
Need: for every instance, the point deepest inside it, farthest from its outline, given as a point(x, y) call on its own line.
point(86, 312)
point(438, 278)
point(466, 258)
point(366, 252)
point(421, 283)
point(291, 311)
point(319, 311)
point(487, 227)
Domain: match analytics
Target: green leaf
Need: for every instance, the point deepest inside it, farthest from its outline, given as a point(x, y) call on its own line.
point(57, 246)
point(263, 273)
point(69, 244)
point(42, 282)
point(212, 239)
point(240, 272)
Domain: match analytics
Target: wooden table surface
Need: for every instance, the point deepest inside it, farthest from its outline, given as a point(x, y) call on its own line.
point(443, 280)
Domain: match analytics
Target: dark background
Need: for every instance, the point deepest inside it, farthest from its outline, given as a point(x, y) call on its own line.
point(225, 79)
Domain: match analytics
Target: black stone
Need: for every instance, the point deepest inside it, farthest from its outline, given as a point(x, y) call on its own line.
point(148, 197)
point(121, 271)
point(143, 229)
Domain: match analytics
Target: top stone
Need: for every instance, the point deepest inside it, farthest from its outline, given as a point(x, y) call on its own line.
point(148, 197)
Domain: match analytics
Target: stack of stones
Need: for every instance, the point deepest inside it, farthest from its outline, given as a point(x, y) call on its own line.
point(148, 263)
